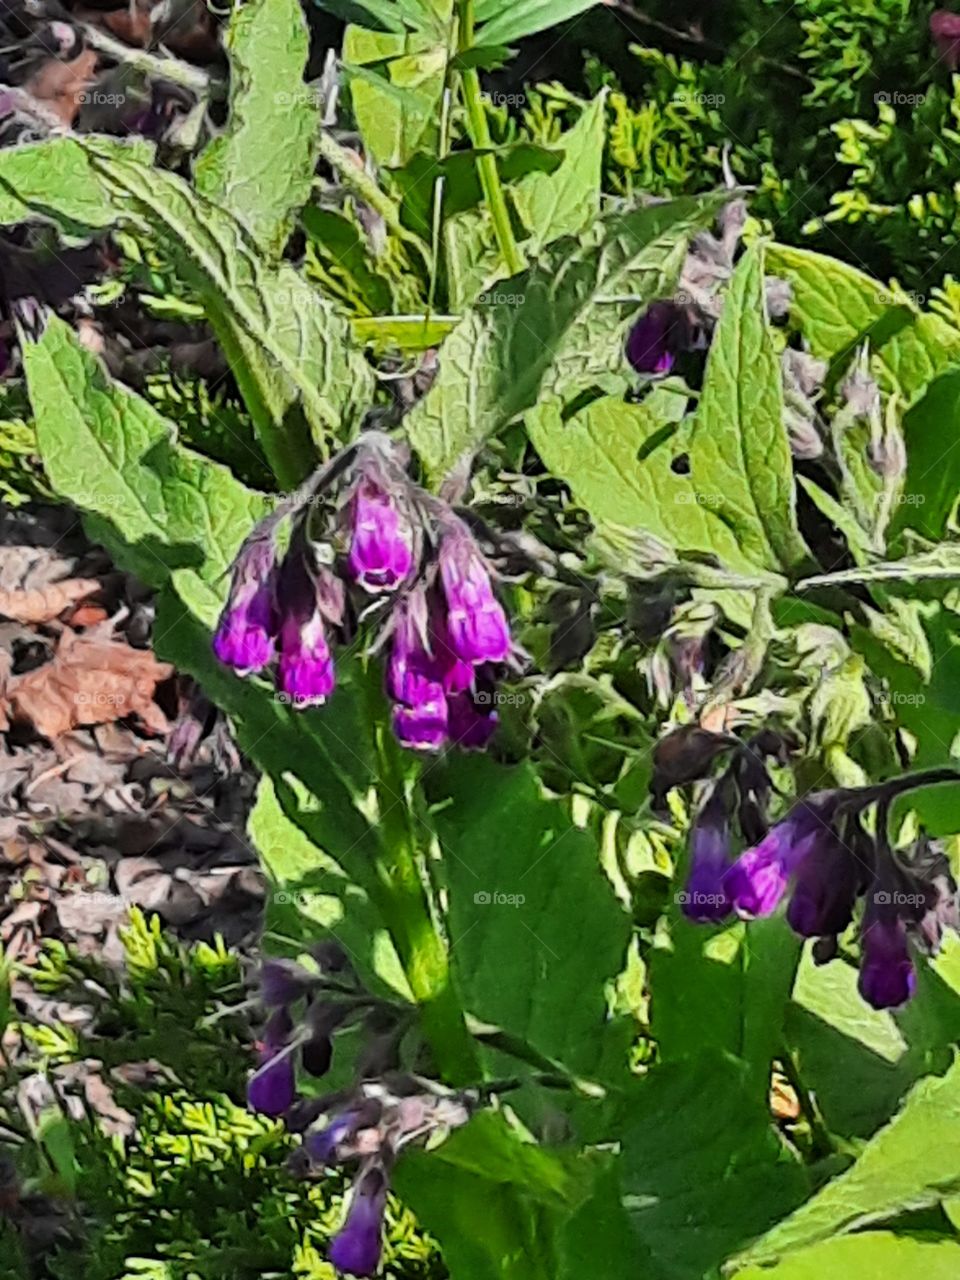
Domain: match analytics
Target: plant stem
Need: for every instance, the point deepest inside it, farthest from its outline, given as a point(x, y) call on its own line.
point(479, 132)
point(403, 903)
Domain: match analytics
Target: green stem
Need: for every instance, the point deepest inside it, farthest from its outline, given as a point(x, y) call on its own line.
point(405, 908)
point(479, 132)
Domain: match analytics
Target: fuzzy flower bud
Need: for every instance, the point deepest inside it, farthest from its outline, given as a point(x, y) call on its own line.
point(381, 546)
point(245, 634)
point(476, 623)
point(356, 1247)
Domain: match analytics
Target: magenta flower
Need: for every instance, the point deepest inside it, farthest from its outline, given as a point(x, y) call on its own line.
point(245, 634)
point(476, 623)
point(472, 722)
point(758, 879)
point(356, 1247)
point(381, 548)
point(415, 679)
point(305, 673)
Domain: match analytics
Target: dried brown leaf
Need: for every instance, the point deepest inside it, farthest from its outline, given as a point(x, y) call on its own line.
point(46, 603)
point(91, 680)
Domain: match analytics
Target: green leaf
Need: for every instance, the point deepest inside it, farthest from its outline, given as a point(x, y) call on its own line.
point(704, 1170)
point(722, 988)
point(566, 201)
point(740, 456)
point(618, 459)
point(261, 167)
point(503, 354)
point(503, 21)
point(932, 485)
point(55, 181)
point(910, 1164)
point(522, 882)
point(396, 86)
point(881, 1255)
point(285, 343)
point(942, 563)
point(161, 509)
point(501, 1207)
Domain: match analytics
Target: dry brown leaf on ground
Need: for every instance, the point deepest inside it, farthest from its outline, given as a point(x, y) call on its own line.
point(43, 604)
point(91, 680)
point(59, 85)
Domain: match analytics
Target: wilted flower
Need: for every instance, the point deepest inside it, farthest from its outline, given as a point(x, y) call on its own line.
point(356, 1247)
point(472, 723)
point(245, 634)
point(415, 678)
point(825, 888)
point(381, 545)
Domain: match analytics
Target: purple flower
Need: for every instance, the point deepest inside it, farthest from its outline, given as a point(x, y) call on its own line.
point(283, 982)
point(423, 724)
point(381, 551)
point(355, 1249)
point(825, 889)
point(272, 1087)
point(248, 624)
point(476, 623)
point(305, 671)
point(323, 1145)
point(706, 897)
point(758, 879)
point(415, 679)
point(653, 342)
point(887, 975)
point(945, 29)
point(472, 723)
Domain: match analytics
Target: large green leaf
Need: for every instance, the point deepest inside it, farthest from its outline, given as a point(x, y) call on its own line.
point(879, 1255)
point(533, 333)
point(261, 167)
point(523, 883)
point(723, 988)
point(740, 457)
point(931, 432)
point(396, 86)
point(505, 1209)
point(564, 202)
point(160, 508)
point(704, 1170)
point(619, 460)
point(55, 180)
point(912, 1163)
point(286, 345)
point(502, 21)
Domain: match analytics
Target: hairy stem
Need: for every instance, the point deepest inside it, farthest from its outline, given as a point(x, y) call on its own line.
point(479, 132)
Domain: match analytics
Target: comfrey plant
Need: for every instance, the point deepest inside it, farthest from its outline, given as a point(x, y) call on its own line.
point(391, 552)
point(824, 858)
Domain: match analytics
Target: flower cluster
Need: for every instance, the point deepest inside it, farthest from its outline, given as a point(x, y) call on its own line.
point(395, 552)
point(822, 858)
point(366, 1129)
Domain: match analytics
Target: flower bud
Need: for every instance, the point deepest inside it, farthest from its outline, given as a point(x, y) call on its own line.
point(248, 624)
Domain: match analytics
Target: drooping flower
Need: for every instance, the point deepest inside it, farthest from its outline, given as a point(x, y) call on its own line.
point(657, 338)
point(476, 623)
point(757, 881)
point(825, 889)
point(272, 1087)
point(381, 544)
point(244, 638)
point(887, 974)
point(308, 596)
point(945, 29)
point(706, 897)
point(356, 1247)
point(472, 722)
point(415, 678)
